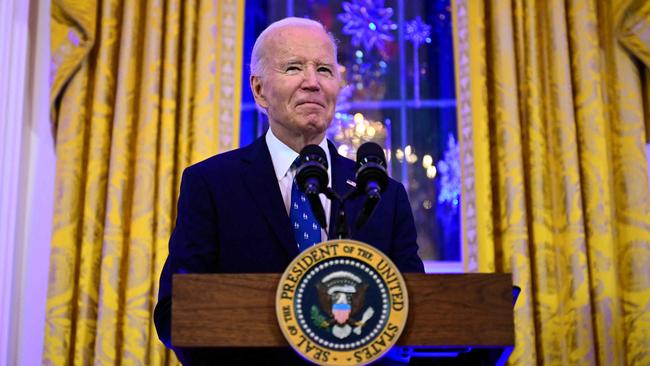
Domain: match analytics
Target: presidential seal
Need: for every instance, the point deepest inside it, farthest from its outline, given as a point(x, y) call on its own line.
point(342, 302)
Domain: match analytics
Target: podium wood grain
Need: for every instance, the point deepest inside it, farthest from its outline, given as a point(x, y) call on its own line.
point(238, 310)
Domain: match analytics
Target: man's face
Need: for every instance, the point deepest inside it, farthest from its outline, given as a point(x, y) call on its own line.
point(300, 83)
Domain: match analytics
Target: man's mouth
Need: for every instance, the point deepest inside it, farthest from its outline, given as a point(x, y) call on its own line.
point(310, 103)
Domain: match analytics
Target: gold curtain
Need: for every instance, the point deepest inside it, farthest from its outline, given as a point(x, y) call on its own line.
point(140, 90)
point(633, 30)
point(555, 186)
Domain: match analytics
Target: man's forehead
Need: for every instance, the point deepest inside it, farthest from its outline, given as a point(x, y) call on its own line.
point(302, 43)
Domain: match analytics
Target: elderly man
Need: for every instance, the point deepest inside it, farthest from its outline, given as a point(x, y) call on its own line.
point(234, 208)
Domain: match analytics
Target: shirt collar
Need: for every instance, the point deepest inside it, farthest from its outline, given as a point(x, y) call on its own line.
point(283, 156)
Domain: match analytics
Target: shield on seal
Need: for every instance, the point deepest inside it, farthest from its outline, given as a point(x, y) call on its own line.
point(341, 311)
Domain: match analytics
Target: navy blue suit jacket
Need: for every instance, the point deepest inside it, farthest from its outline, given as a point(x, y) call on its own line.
point(231, 219)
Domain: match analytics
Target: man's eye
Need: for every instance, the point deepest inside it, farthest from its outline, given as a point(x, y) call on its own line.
point(325, 70)
point(292, 69)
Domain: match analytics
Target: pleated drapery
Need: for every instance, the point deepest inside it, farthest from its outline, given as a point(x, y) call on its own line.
point(140, 90)
point(551, 99)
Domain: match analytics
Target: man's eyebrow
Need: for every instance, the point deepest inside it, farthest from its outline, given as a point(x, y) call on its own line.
point(292, 61)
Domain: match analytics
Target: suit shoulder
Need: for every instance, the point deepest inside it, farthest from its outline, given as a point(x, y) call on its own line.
point(223, 161)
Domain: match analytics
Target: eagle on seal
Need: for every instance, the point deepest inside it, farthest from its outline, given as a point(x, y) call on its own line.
point(342, 296)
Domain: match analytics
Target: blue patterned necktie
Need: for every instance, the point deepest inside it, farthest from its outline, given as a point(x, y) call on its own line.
point(305, 227)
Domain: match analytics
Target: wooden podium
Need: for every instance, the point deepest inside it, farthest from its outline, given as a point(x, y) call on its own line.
point(465, 315)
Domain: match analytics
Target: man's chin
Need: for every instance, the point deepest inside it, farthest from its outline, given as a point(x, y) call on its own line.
point(313, 133)
point(315, 126)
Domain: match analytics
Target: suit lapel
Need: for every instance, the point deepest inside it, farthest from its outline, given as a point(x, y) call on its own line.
point(260, 180)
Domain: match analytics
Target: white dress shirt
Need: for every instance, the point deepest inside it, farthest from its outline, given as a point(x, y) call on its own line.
point(282, 157)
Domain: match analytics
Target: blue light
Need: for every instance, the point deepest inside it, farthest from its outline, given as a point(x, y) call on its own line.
point(359, 54)
point(428, 40)
point(382, 64)
point(372, 26)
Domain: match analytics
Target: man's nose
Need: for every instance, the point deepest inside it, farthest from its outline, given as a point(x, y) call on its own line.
point(310, 79)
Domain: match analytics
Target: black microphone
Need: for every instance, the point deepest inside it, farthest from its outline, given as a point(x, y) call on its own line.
point(372, 177)
point(312, 170)
point(312, 179)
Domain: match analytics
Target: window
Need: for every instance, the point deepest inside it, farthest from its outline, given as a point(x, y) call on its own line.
point(397, 60)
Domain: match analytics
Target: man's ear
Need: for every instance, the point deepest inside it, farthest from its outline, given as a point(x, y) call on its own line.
point(256, 87)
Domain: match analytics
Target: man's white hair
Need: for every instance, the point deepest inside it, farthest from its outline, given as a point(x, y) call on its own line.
point(258, 63)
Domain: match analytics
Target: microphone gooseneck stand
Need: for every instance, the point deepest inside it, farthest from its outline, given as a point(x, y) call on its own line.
point(342, 230)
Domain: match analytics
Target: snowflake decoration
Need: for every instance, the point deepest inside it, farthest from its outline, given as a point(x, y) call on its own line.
point(417, 31)
point(368, 22)
point(449, 169)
